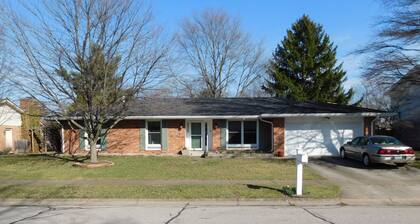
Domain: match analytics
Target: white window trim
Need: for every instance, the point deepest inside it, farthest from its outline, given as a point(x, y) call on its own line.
point(242, 145)
point(153, 147)
point(87, 145)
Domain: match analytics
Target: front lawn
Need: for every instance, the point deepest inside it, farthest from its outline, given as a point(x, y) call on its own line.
point(151, 168)
point(39, 176)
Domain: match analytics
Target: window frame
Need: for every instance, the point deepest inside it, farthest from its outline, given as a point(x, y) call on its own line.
point(242, 145)
point(194, 135)
point(153, 146)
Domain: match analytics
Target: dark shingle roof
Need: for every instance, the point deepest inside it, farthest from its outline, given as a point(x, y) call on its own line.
point(232, 107)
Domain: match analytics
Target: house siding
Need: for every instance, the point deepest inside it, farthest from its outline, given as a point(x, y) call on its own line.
point(16, 135)
point(71, 141)
point(278, 135)
point(175, 135)
point(216, 135)
point(124, 137)
point(127, 138)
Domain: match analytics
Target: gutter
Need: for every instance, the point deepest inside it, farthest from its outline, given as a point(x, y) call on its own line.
point(272, 132)
point(363, 114)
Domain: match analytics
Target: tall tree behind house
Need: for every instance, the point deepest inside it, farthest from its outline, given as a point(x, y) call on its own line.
point(304, 66)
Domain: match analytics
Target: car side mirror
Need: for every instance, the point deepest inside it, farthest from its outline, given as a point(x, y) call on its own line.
point(348, 143)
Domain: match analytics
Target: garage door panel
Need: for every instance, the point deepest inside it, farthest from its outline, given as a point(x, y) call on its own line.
point(319, 136)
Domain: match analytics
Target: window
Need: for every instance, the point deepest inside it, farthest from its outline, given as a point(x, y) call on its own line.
point(355, 141)
point(384, 141)
point(363, 141)
point(250, 132)
point(235, 132)
point(153, 134)
point(242, 133)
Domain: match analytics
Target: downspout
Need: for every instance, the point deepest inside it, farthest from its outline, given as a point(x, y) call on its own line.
point(272, 131)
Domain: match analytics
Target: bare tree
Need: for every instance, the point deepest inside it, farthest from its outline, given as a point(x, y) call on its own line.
point(396, 47)
point(85, 60)
point(221, 59)
point(374, 96)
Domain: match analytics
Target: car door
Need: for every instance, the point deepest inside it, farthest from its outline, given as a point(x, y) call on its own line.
point(350, 151)
point(361, 148)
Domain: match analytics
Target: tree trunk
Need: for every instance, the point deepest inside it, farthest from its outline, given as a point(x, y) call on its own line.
point(93, 155)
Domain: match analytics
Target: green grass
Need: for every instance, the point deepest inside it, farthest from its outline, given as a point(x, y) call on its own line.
point(43, 167)
point(162, 192)
point(151, 168)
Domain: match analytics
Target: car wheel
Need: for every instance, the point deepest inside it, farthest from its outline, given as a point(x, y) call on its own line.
point(342, 153)
point(366, 160)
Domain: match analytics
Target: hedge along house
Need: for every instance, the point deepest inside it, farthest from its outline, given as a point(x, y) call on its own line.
point(277, 125)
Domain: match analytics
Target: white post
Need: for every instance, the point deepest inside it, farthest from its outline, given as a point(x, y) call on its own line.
point(301, 158)
point(299, 178)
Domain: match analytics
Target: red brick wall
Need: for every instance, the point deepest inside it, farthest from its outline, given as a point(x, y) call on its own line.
point(216, 135)
point(124, 137)
point(176, 135)
point(71, 141)
point(278, 132)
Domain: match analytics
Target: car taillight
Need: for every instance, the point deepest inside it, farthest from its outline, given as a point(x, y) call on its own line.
point(385, 151)
point(395, 151)
point(409, 151)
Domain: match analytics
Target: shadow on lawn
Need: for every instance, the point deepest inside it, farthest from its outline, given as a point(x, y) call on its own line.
point(72, 158)
point(285, 190)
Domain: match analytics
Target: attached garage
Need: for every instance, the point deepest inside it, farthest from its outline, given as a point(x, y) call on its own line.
point(320, 136)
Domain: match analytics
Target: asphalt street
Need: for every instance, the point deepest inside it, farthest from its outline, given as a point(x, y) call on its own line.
point(202, 212)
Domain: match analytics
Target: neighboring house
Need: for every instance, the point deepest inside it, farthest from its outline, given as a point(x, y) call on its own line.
point(10, 124)
point(405, 98)
point(171, 125)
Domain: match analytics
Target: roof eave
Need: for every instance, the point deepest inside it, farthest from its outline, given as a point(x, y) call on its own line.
point(360, 114)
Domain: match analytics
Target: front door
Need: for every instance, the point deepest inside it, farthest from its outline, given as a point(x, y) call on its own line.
point(197, 135)
point(8, 135)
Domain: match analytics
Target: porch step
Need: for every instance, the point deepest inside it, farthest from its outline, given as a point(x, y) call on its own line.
point(192, 153)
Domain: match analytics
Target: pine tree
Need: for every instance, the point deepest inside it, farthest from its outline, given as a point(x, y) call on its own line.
point(304, 67)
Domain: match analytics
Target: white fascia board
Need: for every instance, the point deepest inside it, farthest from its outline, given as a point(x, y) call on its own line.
point(364, 114)
point(193, 117)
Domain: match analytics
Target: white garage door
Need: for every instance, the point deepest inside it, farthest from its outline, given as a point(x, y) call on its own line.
point(319, 136)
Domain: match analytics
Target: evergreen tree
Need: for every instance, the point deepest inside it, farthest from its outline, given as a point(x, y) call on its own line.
point(304, 67)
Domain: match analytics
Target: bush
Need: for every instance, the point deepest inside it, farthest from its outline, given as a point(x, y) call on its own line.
point(5, 151)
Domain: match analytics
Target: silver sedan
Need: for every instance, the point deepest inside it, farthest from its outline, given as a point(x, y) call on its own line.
point(377, 149)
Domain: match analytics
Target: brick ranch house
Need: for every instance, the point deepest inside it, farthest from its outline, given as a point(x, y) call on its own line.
point(277, 125)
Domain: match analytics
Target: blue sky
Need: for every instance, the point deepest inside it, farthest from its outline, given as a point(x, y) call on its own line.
point(349, 23)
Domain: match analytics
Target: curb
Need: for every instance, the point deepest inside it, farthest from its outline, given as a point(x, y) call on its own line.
point(256, 202)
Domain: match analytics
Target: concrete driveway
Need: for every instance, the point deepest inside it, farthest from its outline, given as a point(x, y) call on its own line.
point(386, 182)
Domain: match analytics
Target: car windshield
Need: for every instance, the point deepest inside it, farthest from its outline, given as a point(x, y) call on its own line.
point(384, 141)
